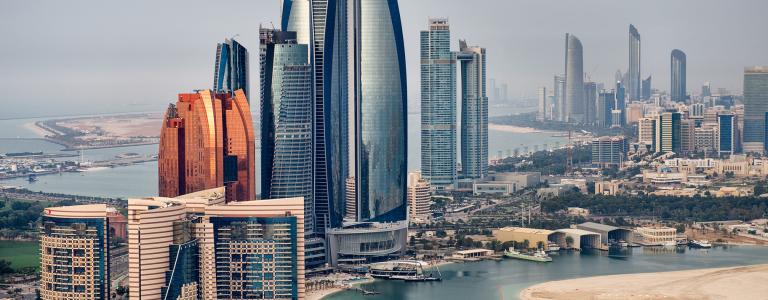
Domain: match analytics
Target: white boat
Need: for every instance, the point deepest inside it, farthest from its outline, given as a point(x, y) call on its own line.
point(539, 255)
point(703, 244)
point(552, 247)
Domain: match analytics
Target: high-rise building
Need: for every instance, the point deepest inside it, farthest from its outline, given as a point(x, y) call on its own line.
point(706, 89)
point(207, 141)
point(438, 105)
point(755, 108)
point(590, 102)
point(706, 139)
point(287, 121)
point(380, 112)
point(231, 70)
point(322, 24)
point(559, 95)
point(677, 67)
point(74, 252)
point(634, 84)
point(687, 136)
point(668, 132)
point(646, 92)
point(542, 114)
point(474, 111)
point(621, 103)
point(574, 80)
point(609, 151)
point(605, 105)
point(419, 198)
point(646, 132)
point(196, 247)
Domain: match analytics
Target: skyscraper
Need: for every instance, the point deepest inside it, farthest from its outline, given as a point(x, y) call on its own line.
point(608, 151)
point(621, 104)
point(542, 113)
point(668, 133)
point(322, 24)
point(634, 64)
point(677, 66)
point(231, 70)
point(574, 80)
point(559, 97)
point(286, 121)
point(207, 141)
point(380, 129)
point(419, 198)
point(197, 247)
point(74, 252)
point(590, 102)
point(646, 93)
point(474, 111)
point(438, 105)
point(606, 102)
point(727, 133)
point(755, 108)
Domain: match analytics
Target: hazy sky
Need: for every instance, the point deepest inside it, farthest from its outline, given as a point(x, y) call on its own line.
point(68, 57)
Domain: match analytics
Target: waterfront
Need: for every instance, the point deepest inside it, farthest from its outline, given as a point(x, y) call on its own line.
point(140, 180)
point(507, 278)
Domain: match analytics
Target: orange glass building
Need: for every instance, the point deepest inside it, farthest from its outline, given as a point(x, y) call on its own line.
point(207, 141)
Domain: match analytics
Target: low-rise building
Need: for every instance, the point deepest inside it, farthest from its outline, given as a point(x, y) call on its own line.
point(536, 237)
point(609, 188)
point(472, 253)
point(658, 235)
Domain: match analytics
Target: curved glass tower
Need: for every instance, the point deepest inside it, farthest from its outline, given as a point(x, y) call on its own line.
point(231, 72)
point(380, 111)
point(634, 64)
point(677, 67)
point(574, 79)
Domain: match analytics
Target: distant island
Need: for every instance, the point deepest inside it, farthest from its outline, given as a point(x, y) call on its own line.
point(102, 131)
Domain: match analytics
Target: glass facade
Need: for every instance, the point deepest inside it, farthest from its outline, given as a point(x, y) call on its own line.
point(231, 72)
point(726, 134)
point(634, 84)
point(438, 105)
point(474, 112)
point(256, 257)
point(574, 80)
point(755, 108)
point(380, 111)
point(605, 105)
point(183, 276)
point(559, 98)
point(677, 66)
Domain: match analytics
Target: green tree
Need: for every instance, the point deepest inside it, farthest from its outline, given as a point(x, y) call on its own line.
point(569, 241)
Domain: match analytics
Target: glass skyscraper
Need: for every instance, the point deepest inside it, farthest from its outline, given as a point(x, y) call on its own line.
point(634, 85)
point(380, 126)
point(677, 67)
point(231, 70)
point(727, 134)
point(322, 24)
point(755, 108)
point(438, 105)
point(574, 80)
point(559, 98)
point(474, 111)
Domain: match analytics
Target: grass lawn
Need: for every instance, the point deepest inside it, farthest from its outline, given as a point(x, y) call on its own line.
point(20, 254)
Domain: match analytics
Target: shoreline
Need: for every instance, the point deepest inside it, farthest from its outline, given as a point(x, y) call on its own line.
point(742, 282)
point(520, 129)
point(323, 294)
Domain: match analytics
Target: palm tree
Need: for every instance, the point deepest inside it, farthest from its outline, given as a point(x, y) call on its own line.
point(569, 241)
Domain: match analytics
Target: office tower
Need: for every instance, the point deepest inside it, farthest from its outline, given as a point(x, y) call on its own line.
point(74, 252)
point(677, 65)
point(646, 92)
point(207, 141)
point(322, 24)
point(551, 114)
point(616, 117)
point(605, 105)
point(380, 116)
point(559, 92)
point(646, 132)
point(286, 121)
point(706, 89)
point(697, 110)
point(706, 139)
point(542, 114)
point(438, 105)
point(231, 70)
point(609, 151)
point(351, 197)
point(633, 112)
point(633, 83)
point(621, 103)
point(687, 136)
point(419, 198)
point(668, 132)
point(755, 108)
point(197, 247)
point(590, 102)
point(574, 80)
point(474, 111)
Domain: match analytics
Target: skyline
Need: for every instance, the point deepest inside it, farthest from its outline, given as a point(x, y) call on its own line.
point(54, 56)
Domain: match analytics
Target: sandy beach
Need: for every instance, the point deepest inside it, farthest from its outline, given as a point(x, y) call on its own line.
point(706, 284)
point(317, 295)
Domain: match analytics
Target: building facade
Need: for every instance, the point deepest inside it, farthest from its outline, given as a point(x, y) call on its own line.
point(206, 141)
point(438, 105)
point(419, 198)
point(609, 151)
point(232, 68)
point(668, 132)
point(543, 107)
point(634, 83)
point(605, 105)
point(74, 252)
point(474, 111)
point(678, 80)
point(559, 98)
point(755, 108)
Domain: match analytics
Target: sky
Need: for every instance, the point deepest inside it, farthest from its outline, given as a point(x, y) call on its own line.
point(85, 57)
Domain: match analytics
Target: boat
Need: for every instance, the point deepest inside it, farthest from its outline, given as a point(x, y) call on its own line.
point(32, 178)
point(539, 255)
point(702, 244)
point(552, 247)
point(407, 270)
